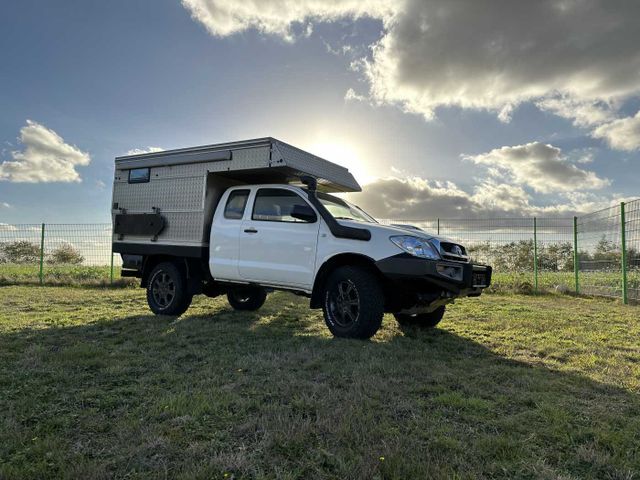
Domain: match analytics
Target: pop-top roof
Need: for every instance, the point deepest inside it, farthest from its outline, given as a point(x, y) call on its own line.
point(262, 160)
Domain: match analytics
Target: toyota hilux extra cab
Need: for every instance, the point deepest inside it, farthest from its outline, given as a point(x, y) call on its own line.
point(229, 234)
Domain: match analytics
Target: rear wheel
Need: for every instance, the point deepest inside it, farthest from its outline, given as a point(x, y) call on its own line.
point(426, 320)
point(167, 292)
point(353, 304)
point(247, 299)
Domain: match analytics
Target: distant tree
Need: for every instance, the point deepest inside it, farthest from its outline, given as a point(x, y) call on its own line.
point(633, 258)
point(481, 252)
point(20, 251)
point(66, 253)
point(517, 256)
point(556, 256)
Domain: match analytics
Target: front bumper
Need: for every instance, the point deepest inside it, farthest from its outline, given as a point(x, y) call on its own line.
point(460, 279)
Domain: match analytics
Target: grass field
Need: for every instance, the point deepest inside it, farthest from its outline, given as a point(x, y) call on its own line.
point(67, 275)
point(93, 386)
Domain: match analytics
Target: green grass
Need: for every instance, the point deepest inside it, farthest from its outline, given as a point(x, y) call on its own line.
point(93, 386)
point(67, 275)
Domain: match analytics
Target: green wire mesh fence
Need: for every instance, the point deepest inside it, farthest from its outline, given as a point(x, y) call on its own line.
point(57, 254)
point(632, 249)
point(532, 254)
point(592, 254)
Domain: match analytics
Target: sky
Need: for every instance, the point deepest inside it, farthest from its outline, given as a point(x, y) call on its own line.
point(445, 109)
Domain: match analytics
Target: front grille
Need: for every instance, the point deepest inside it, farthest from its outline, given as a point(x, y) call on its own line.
point(453, 252)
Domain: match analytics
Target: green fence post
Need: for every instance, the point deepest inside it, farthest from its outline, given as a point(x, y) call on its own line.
point(623, 242)
point(576, 262)
point(42, 255)
point(438, 226)
point(535, 255)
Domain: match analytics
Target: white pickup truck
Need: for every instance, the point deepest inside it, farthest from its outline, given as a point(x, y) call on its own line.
point(221, 232)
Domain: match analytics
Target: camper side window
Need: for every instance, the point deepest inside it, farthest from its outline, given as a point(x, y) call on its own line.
point(139, 175)
point(234, 209)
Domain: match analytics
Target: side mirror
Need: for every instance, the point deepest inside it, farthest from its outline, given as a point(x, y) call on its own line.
point(304, 213)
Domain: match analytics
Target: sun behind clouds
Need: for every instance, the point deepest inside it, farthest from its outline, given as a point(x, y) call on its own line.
point(345, 154)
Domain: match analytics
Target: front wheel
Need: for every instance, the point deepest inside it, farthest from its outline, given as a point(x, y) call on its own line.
point(167, 292)
point(247, 299)
point(426, 320)
point(353, 304)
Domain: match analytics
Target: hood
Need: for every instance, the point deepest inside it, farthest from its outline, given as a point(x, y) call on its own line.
point(442, 244)
point(396, 229)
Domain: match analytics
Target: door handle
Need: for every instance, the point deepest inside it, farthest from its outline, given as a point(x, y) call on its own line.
point(250, 230)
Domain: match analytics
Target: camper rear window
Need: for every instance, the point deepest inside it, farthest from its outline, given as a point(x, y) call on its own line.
point(139, 175)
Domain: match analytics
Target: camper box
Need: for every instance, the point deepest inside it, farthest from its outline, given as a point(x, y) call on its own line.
point(163, 202)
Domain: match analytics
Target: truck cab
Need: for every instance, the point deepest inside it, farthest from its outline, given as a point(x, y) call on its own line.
point(292, 236)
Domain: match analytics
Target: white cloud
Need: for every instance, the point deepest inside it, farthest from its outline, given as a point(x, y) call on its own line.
point(352, 96)
point(5, 205)
point(226, 17)
point(575, 58)
point(101, 185)
point(45, 158)
point(541, 166)
point(583, 113)
point(622, 134)
point(139, 151)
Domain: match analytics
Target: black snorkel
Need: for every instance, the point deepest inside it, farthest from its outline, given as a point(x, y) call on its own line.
point(337, 230)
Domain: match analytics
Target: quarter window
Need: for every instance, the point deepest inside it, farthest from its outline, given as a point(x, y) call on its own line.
point(234, 209)
point(275, 205)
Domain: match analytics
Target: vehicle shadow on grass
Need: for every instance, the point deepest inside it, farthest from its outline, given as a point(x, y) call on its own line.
point(267, 392)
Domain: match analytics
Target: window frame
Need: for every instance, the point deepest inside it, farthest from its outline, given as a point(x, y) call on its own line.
point(294, 194)
point(146, 179)
point(247, 192)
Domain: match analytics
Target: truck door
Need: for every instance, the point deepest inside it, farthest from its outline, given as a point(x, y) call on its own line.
point(276, 248)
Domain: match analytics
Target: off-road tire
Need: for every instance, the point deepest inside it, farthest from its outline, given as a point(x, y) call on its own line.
point(167, 292)
point(359, 313)
point(247, 299)
point(424, 320)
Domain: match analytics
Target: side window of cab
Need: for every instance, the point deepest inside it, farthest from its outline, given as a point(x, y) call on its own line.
point(280, 205)
point(236, 203)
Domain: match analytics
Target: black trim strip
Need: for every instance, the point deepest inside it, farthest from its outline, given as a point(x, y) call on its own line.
point(160, 249)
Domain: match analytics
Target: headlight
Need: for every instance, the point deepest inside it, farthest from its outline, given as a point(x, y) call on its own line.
point(415, 246)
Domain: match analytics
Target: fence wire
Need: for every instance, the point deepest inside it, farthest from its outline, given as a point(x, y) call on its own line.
point(632, 243)
point(600, 253)
point(57, 253)
point(512, 246)
point(534, 254)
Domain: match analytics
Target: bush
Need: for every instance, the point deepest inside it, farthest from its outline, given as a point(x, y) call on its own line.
point(20, 251)
point(66, 253)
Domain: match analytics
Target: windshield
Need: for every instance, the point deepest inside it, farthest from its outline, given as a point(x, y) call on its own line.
point(341, 210)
